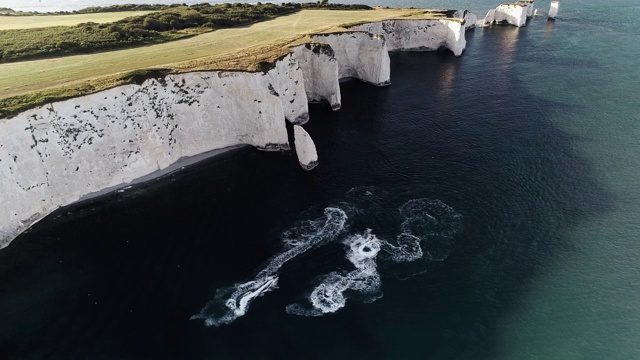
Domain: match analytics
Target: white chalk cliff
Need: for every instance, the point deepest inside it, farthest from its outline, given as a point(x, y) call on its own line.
point(419, 34)
point(361, 55)
point(305, 148)
point(528, 4)
point(553, 9)
point(54, 155)
point(61, 152)
point(469, 18)
point(514, 14)
point(320, 72)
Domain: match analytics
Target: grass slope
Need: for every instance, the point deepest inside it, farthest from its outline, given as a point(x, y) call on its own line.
point(30, 22)
point(153, 28)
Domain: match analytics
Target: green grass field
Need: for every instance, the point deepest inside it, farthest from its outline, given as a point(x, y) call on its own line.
point(29, 22)
point(23, 84)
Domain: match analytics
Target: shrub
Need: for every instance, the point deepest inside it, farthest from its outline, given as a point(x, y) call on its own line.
point(167, 18)
point(139, 76)
point(265, 66)
point(152, 24)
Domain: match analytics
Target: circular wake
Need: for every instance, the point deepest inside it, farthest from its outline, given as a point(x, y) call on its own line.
point(432, 223)
point(329, 296)
point(429, 227)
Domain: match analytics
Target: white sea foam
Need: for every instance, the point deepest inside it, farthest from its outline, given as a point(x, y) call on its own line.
point(434, 223)
point(428, 222)
point(329, 296)
point(429, 227)
point(408, 248)
point(233, 302)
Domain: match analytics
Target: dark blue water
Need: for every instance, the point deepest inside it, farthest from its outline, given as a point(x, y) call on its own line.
point(504, 150)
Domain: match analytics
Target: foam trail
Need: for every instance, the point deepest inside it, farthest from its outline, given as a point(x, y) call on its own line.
point(329, 296)
point(336, 219)
point(427, 222)
point(428, 228)
point(233, 302)
point(408, 248)
point(434, 223)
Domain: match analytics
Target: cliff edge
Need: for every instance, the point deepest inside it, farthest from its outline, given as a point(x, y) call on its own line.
point(65, 151)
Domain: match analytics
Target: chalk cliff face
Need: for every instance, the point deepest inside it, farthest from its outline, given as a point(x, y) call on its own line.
point(419, 34)
point(59, 153)
point(469, 18)
point(287, 81)
point(528, 4)
point(360, 55)
point(54, 155)
point(514, 14)
point(490, 18)
point(553, 9)
point(320, 72)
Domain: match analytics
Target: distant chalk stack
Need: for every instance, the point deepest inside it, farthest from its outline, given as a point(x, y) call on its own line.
point(528, 4)
point(553, 10)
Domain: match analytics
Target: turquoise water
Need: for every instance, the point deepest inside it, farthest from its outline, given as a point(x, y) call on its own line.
point(586, 305)
point(530, 142)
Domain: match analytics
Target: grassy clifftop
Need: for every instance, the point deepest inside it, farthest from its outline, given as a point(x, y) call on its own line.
point(170, 23)
point(27, 84)
point(151, 28)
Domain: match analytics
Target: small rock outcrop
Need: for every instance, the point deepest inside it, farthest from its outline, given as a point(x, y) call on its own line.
point(305, 148)
point(553, 9)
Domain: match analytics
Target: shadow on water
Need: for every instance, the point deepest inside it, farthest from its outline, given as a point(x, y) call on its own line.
point(119, 277)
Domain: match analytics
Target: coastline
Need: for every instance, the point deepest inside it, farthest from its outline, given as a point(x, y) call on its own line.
point(134, 133)
point(530, 136)
point(179, 165)
point(29, 84)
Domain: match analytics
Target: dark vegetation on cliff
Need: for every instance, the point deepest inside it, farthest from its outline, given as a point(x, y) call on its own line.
point(139, 76)
point(172, 22)
point(91, 10)
point(158, 7)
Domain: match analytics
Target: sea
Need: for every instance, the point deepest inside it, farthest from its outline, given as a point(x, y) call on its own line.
point(481, 207)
